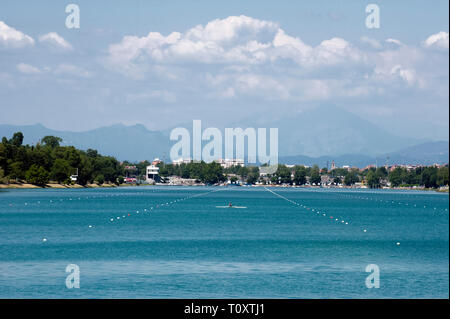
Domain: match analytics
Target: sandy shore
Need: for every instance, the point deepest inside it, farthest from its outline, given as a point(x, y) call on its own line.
point(60, 186)
point(52, 185)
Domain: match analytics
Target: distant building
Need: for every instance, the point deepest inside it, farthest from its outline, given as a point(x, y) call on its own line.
point(333, 165)
point(156, 161)
point(226, 163)
point(152, 173)
point(182, 161)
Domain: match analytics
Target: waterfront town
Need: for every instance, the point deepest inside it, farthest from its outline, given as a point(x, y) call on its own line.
point(235, 172)
point(48, 164)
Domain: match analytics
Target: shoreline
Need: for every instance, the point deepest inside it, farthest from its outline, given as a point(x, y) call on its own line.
point(77, 186)
point(52, 186)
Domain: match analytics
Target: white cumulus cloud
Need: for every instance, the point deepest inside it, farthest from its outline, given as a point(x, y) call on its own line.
point(12, 38)
point(28, 69)
point(438, 41)
point(241, 56)
point(233, 40)
point(55, 40)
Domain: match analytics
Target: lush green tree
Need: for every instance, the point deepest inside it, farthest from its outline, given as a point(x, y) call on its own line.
point(3, 179)
point(283, 175)
point(16, 170)
point(382, 172)
point(61, 161)
point(274, 179)
point(429, 177)
point(299, 175)
point(315, 175)
point(252, 178)
point(92, 153)
point(211, 173)
point(51, 141)
point(373, 179)
point(17, 139)
point(61, 170)
point(100, 179)
point(253, 175)
point(442, 176)
point(37, 175)
point(351, 178)
point(315, 178)
point(396, 177)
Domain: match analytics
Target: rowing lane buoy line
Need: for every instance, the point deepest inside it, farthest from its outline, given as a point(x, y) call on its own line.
point(68, 199)
point(389, 201)
point(342, 221)
point(152, 208)
point(145, 210)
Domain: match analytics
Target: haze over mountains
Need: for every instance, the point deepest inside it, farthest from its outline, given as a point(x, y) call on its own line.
point(314, 137)
point(329, 130)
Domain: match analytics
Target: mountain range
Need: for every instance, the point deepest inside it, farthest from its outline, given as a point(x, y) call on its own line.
point(423, 154)
point(320, 135)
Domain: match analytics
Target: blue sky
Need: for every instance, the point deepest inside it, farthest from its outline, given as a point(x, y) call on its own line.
point(162, 63)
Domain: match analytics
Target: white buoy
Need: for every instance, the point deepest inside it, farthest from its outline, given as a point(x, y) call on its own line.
point(365, 230)
point(90, 226)
point(44, 239)
point(398, 244)
point(112, 219)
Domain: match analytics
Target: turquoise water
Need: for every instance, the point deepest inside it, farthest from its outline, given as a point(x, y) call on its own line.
point(280, 246)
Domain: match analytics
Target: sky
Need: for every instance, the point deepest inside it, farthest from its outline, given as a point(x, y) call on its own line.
point(165, 63)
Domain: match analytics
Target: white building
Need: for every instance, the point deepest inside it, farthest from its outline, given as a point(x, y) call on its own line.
point(152, 173)
point(182, 161)
point(226, 163)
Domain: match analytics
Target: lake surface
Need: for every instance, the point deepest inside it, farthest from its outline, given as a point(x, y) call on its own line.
point(282, 243)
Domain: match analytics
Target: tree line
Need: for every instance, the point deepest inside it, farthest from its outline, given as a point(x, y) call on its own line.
point(426, 176)
point(208, 173)
point(49, 161)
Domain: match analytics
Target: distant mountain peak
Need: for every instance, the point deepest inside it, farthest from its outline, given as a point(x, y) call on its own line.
point(311, 133)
